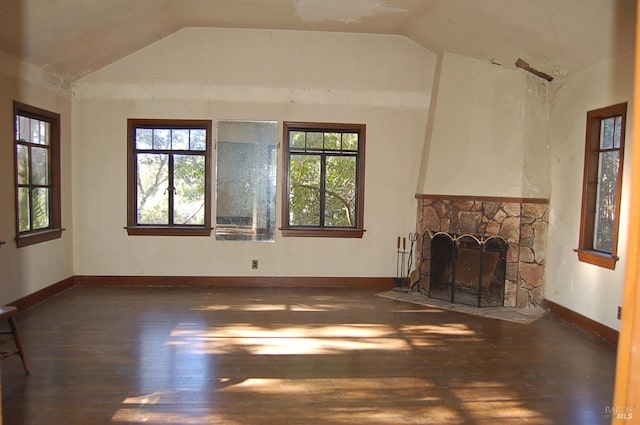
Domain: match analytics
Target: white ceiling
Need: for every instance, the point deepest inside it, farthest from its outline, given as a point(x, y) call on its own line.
point(72, 38)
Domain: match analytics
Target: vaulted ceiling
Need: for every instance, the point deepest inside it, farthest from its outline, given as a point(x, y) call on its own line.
point(72, 38)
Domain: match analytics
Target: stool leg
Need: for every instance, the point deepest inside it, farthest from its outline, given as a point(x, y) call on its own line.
point(18, 341)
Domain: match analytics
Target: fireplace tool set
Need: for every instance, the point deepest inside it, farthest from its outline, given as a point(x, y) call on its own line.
point(404, 258)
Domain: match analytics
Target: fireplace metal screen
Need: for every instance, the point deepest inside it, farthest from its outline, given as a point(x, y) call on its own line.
point(468, 269)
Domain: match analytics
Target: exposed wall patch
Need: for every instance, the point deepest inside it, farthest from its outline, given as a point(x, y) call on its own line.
point(346, 11)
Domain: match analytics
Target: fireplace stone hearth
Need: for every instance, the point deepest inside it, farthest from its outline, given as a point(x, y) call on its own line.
point(522, 222)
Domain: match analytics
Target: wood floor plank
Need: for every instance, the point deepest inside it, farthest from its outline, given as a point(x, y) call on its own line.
point(184, 355)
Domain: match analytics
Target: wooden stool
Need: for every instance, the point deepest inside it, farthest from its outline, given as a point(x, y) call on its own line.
point(9, 312)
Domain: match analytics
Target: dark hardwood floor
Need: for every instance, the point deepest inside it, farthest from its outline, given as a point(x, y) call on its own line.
point(238, 356)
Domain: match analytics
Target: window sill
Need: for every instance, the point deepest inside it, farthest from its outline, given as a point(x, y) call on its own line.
point(321, 233)
point(37, 237)
point(597, 258)
point(168, 231)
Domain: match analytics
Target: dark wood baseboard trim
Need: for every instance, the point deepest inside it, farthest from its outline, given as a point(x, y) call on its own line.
point(588, 325)
point(41, 295)
point(241, 281)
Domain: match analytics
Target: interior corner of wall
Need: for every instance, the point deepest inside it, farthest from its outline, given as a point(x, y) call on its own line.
point(431, 118)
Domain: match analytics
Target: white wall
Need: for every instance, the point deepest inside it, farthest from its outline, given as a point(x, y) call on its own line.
point(489, 132)
point(592, 291)
point(382, 81)
point(29, 269)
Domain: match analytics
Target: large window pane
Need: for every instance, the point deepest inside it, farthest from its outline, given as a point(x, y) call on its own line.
point(39, 166)
point(152, 185)
point(40, 208)
point(24, 210)
point(606, 201)
point(304, 190)
point(189, 182)
point(23, 164)
point(340, 191)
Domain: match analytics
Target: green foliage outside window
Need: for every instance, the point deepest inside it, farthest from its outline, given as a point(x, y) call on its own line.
point(32, 162)
point(608, 166)
point(323, 178)
point(170, 166)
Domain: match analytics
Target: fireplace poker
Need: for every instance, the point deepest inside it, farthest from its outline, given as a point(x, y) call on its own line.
point(400, 261)
point(413, 237)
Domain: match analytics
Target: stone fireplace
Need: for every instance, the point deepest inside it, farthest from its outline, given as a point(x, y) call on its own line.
point(521, 222)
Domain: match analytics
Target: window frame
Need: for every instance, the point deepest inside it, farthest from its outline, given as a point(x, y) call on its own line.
point(135, 229)
point(586, 251)
point(356, 231)
point(54, 230)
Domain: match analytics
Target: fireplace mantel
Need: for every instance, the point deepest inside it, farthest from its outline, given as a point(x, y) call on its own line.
point(523, 222)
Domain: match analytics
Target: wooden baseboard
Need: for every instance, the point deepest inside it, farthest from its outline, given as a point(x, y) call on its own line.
point(588, 325)
point(214, 281)
point(241, 281)
point(43, 294)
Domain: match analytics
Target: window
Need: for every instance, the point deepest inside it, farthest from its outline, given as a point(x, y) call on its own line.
point(601, 190)
point(169, 178)
point(37, 175)
point(323, 176)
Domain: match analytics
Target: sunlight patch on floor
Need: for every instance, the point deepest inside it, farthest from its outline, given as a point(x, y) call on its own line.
point(244, 307)
point(146, 399)
point(142, 416)
point(331, 388)
point(494, 401)
point(351, 400)
point(391, 415)
point(311, 339)
point(438, 335)
point(446, 329)
point(301, 307)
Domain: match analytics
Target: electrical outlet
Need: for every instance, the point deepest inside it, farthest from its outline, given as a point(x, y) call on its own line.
point(619, 312)
point(254, 264)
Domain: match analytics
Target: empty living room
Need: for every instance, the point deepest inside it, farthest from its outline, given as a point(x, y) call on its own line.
point(319, 212)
